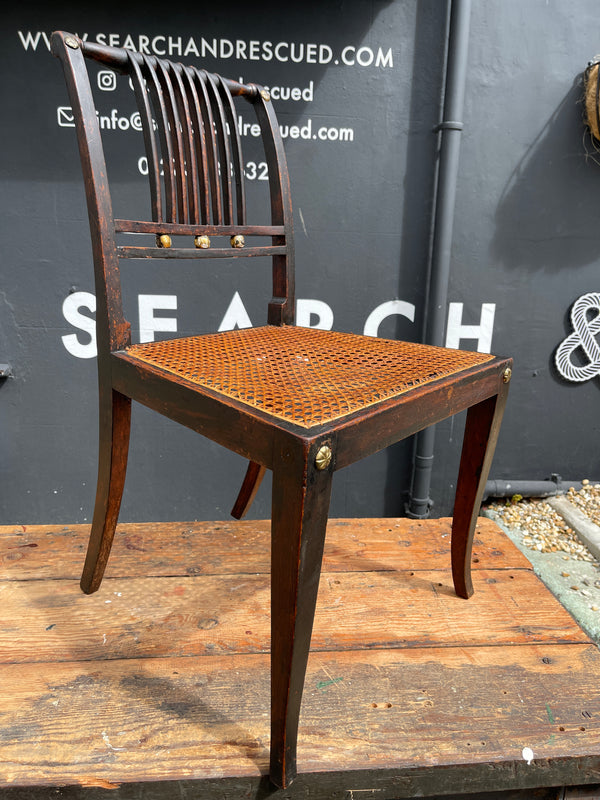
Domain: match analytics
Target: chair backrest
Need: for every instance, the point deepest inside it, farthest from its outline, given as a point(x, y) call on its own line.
point(195, 175)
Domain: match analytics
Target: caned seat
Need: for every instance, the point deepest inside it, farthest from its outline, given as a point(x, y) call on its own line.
point(304, 376)
point(298, 401)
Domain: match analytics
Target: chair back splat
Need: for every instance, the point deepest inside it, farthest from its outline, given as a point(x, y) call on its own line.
point(298, 401)
point(195, 175)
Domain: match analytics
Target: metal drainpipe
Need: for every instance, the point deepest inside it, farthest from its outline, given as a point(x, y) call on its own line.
point(556, 485)
point(450, 128)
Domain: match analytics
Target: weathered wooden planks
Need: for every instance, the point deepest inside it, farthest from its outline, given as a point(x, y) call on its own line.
point(410, 690)
point(220, 548)
point(390, 712)
point(206, 615)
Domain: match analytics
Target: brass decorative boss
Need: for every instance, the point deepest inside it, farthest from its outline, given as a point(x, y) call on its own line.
point(507, 374)
point(163, 240)
point(202, 242)
point(323, 457)
point(237, 240)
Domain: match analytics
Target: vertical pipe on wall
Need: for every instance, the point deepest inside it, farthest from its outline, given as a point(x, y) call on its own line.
point(450, 130)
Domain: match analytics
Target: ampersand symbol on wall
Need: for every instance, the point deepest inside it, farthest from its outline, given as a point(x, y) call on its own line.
point(585, 329)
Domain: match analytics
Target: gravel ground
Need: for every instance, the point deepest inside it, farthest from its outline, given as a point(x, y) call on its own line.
point(558, 557)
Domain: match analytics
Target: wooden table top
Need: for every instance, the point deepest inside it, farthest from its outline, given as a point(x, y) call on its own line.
point(159, 682)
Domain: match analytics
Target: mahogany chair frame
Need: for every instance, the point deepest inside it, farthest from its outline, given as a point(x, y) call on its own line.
point(187, 115)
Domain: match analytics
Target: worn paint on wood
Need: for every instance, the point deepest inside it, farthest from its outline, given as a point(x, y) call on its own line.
point(408, 687)
point(174, 718)
point(226, 547)
point(144, 617)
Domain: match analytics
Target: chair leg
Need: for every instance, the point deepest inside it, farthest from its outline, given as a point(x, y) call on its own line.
point(299, 518)
point(252, 481)
point(115, 418)
point(481, 435)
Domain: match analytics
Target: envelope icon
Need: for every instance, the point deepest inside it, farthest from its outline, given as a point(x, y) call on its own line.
point(65, 117)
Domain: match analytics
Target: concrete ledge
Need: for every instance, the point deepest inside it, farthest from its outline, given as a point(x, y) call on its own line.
point(586, 530)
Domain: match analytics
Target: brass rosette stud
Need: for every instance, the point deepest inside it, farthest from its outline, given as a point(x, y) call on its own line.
point(507, 375)
point(202, 242)
point(237, 241)
point(265, 95)
point(163, 240)
point(323, 457)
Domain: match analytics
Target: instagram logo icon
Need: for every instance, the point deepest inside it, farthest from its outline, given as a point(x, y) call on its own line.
point(107, 80)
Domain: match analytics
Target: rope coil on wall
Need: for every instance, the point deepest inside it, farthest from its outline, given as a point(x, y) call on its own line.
point(585, 319)
point(591, 85)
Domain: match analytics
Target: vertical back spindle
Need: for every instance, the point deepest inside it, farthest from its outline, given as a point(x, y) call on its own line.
point(238, 164)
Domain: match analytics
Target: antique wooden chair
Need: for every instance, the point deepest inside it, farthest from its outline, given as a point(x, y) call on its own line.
point(298, 401)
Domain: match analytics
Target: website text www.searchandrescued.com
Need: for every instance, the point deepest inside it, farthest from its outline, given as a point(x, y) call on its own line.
point(238, 49)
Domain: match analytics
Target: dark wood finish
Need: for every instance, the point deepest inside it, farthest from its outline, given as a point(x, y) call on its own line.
point(185, 252)
point(196, 188)
point(252, 481)
point(142, 226)
point(144, 695)
point(480, 437)
point(300, 506)
point(115, 423)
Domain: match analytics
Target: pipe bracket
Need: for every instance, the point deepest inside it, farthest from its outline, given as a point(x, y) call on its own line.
point(449, 125)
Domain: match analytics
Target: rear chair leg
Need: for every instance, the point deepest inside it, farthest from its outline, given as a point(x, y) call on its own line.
point(299, 518)
point(252, 481)
point(115, 418)
point(481, 435)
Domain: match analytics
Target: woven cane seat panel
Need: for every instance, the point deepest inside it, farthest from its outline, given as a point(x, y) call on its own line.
point(303, 375)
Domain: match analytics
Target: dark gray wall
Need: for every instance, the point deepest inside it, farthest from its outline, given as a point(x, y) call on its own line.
point(526, 231)
point(525, 240)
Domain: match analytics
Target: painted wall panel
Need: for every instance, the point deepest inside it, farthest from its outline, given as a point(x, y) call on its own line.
point(359, 132)
point(362, 155)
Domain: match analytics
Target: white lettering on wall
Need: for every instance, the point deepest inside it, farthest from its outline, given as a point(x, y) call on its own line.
point(310, 313)
point(239, 49)
point(70, 309)
point(236, 315)
point(482, 333)
point(308, 309)
point(149, 324)
point(585, 319)
point(388, 309)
